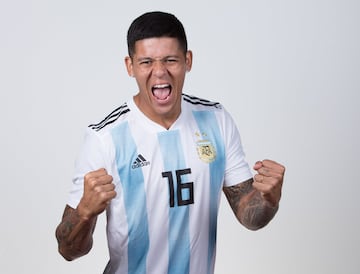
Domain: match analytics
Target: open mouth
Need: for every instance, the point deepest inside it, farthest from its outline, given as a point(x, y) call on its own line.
point(161, 92)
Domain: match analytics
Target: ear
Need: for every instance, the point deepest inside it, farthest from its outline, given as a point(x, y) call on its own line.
point(188, 60)
point(129, 66)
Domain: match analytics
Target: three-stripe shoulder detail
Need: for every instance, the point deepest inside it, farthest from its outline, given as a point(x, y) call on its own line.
point(111, 118)
point(198, 101)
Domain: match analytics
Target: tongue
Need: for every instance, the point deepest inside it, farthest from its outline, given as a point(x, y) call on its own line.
point(161, 93)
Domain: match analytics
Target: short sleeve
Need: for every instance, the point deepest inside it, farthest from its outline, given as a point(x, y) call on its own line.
point(237, 169)
point(91, 157)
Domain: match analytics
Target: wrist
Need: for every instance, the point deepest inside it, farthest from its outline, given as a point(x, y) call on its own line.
point(83, 212)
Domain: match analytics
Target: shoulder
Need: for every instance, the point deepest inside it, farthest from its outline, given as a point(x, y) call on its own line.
point(201, 106)
point(197, 103)
point(114, 117)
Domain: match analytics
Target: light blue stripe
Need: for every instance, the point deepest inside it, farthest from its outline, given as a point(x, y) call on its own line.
point(132, 181)
point(178, 237)
point(207, 123)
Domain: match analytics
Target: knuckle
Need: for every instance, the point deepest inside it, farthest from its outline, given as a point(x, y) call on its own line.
point(280, 168)
point(103, 195)
point(275, 181)
point(278, 176)
point(257, 177)
point(87, 177)
point(265, 171)
point(109, 178)
point(98, 190)
point(92, 182)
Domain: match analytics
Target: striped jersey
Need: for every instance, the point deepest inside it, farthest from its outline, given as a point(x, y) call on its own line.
point(168, 184)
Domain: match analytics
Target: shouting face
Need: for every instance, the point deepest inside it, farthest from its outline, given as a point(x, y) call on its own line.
point(159, 66)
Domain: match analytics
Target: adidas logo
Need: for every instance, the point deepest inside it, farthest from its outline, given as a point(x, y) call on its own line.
point(140, 162)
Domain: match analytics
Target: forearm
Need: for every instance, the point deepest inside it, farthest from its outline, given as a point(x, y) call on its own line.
point(248, 205)
point(254, 212)
point(74, 234)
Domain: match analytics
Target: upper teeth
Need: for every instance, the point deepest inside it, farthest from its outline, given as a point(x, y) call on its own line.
point(161, 86)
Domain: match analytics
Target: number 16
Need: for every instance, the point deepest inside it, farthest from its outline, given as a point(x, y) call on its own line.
point(180, 187)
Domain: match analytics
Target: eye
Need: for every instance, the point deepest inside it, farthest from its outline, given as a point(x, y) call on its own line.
point(171, 60)
point(145, 62)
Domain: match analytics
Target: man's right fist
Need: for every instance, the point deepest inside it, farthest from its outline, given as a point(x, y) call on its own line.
point(98, 192)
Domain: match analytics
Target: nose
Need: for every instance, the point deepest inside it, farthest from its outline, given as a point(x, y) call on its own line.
point(159, 68)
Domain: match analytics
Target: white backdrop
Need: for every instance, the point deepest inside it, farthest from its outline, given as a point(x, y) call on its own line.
point(288, 71)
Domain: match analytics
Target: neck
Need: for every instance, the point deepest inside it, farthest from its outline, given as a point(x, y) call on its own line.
point(166, 120)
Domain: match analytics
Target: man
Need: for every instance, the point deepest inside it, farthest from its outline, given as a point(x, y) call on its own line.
point(157, 165)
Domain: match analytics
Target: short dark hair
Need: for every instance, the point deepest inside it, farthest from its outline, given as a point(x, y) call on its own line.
point(155, 24)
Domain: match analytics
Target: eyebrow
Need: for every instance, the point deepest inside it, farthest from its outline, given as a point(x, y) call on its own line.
point(163, 58)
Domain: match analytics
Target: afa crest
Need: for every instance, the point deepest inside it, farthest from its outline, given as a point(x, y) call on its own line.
point(206, 150)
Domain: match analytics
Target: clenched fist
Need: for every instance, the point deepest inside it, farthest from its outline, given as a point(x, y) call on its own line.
point(269, 180)
point(98, 192)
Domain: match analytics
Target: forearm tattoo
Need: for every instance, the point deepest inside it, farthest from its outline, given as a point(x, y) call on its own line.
point(74, 235)
point(249, 206)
